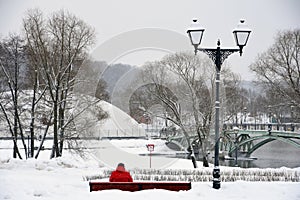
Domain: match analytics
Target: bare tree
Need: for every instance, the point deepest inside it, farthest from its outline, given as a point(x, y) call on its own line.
point(235, 98)
point(57, 47)
point(194, 78)
point(278, 68)
point(38, 89)
point(12, 60)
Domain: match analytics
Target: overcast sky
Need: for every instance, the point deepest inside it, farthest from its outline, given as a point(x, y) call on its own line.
point(114, 17)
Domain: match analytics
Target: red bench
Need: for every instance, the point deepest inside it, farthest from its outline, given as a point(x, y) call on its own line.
point(137, 186)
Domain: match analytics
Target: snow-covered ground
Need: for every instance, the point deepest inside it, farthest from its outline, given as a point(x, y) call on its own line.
point(63, 178)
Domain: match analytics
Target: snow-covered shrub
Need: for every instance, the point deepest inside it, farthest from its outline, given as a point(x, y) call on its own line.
point(205, 174)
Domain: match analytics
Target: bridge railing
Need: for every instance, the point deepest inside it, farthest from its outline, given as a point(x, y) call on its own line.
point(264, 126)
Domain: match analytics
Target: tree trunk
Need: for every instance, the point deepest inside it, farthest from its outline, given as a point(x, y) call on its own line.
point(32, 127)
point(194, 159)
point(17, 125)
point(15, 139)
point(32, 135)
point(43, 138)
point(205, 161)
point(61, 124)
point(15, 148)
point(55, 128)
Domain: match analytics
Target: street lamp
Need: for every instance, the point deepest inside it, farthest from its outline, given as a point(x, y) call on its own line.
point(241, 34)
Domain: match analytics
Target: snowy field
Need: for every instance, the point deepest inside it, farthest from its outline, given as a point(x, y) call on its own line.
point(63, 178)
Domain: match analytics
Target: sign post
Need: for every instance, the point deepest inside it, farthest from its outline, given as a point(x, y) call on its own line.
point(150, 149)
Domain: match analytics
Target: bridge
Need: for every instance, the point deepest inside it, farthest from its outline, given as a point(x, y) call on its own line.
point(245, 141)
point(248, 141)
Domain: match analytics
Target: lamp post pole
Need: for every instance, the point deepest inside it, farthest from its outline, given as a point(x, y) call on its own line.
point(218, 55)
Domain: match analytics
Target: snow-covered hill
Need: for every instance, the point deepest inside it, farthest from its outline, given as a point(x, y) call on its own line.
point(118, 124)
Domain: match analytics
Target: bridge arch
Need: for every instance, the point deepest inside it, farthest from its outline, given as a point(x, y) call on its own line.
point(266, 139)
point(272, 138)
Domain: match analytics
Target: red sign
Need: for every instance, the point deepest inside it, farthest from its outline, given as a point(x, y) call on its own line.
point(150, 147)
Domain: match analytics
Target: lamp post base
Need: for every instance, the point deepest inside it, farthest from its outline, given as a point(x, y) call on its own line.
point(216, 179)
point(216, 184)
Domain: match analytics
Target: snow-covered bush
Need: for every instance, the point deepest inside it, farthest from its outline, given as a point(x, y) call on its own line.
point(205, 174)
